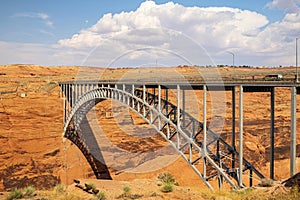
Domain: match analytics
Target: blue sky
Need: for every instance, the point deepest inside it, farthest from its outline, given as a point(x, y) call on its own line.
point(70, 16)
point(49, 27)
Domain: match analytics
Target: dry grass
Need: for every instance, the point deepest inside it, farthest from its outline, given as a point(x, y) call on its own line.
point(61, 193)
point(250, 194)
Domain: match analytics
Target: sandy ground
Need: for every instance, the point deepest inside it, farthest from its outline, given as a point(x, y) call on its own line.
point(33, 152)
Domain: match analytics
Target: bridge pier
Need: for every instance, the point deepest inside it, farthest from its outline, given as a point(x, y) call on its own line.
point(233, 125)
point(293, 132)
point(204, 131)
point(178, 116)
point(272, 110)
point(241, 138)
point(159, 106)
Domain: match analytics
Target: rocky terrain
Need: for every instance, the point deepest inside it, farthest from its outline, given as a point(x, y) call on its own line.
point(33, 152)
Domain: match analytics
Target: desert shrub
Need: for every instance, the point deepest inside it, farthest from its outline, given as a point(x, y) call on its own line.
point(167, 187)
point(29, 191)
point(127, 194)
point(293, 194)
point(167, 178)
point(101, 195)
point(126, 189)
point(59, 188)
point(91, 185)
point(15, 194)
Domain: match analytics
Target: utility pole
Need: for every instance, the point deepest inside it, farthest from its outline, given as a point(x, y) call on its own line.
point(232, 57)
point(297, 59)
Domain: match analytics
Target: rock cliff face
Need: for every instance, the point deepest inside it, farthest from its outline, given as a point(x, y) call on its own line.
point(33, 152)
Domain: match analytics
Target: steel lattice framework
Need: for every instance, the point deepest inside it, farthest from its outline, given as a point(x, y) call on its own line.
point(205, 152)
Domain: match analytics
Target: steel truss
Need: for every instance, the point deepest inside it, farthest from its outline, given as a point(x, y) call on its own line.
point(205, 152)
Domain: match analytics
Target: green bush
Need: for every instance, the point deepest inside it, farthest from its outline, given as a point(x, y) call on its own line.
point(167, 187)
point(15, 194)
point(29, 191)
point(59, 188)
point(101, 196)
point(126, 189)
point(167, 178)
point(92, 185)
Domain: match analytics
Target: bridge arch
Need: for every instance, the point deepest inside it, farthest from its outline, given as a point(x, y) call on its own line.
point(169, 128)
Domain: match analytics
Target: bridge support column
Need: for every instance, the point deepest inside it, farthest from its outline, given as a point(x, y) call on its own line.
point(204, 131)
point(124, 89)
point(63, 96)
point(178, 116)
point(241, 137)
point(69, 98)
point(159, 106)
point(272, 134)
point(132, 92)
point(76, 93)
point(293, 132)
point(144, 99)
point(233, 126)
point(167, 100)
point(183, 107)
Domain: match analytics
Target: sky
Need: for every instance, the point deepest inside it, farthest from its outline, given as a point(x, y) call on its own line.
point(137, 33)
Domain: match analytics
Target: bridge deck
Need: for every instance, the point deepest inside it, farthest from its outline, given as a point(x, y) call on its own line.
point(126, 92)
point(193, 83)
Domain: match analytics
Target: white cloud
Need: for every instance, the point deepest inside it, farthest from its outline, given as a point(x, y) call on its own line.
point(216, 28)
point(171, 33)
point(41, 54)
point(289, 6)
point(42, 16)
point(49, 23)
point(215, 24)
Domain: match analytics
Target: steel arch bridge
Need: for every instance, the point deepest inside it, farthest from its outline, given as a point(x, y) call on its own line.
point(204, 151)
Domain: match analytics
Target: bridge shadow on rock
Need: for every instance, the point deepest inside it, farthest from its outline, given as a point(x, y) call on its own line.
point(85, 144)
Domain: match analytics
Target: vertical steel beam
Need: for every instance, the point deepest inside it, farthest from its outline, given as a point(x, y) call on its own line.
point(73, 94)
point(159, 106)
point(293, 132)
point(178, 116)
point(183, 107)
point(241, 138)
point(69, 98)
point(144, 99)
point(159, 98)
point(132, 92)
point(82, 89)
point(154, 96)
point(204, 131)
point(63, 88)
point(204, 121)
point(79, 91)
point(124, 88)
point(76, 93)
point(167, 101)
point(233, 126)
point(272, 134)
